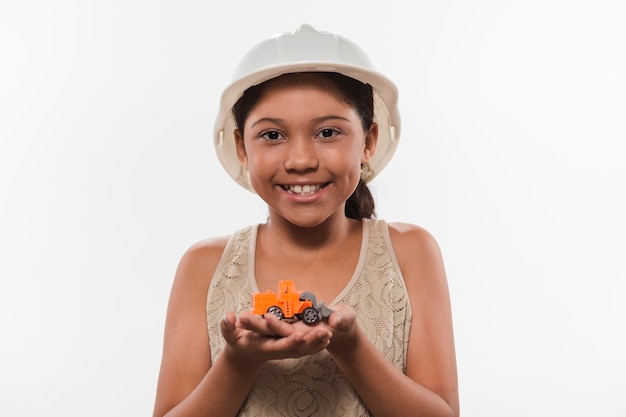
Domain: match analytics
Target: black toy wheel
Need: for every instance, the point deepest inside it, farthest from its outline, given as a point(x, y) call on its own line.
point(310, 315)
point(275, 310)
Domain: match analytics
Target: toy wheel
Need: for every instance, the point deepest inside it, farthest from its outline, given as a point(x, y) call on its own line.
point(310, 315)
point(275, 310)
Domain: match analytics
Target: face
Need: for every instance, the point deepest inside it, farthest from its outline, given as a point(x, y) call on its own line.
point(304, 148)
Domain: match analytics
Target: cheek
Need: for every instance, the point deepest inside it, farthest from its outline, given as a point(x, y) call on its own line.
point(261, 165)
point(356, 175)
point(352, 168)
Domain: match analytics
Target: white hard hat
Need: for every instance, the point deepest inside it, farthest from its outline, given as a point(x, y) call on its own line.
point(305, 50)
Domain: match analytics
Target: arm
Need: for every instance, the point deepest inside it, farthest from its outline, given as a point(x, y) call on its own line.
point(429, 387)
point(189, 384)
point(185, 386)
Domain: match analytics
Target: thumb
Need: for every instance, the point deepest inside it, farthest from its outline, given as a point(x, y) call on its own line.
point(342, 319)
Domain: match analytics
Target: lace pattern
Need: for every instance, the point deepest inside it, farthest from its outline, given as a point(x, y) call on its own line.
point(314, 385)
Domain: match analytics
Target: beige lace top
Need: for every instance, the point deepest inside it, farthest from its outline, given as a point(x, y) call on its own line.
point(314, 385)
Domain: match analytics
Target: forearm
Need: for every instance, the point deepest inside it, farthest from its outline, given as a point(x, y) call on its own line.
point(385, 390)
point(221, 392)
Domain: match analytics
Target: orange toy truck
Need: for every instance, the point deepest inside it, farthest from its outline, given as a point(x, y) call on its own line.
point(289, 303)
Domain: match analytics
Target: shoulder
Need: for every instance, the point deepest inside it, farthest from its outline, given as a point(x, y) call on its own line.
point(409, 238)
point(418, 253)
point(201, 259)
point(192, 279)
point(207, 249)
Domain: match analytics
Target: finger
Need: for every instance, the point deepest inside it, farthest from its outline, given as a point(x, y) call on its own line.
point(257, 324)
point(247, 320)
point(343, 319)
point(311, 342)
point(335, 321)
point(278, 327)
point(227, 326)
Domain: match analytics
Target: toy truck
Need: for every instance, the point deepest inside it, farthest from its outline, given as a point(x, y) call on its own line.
point(289, 303)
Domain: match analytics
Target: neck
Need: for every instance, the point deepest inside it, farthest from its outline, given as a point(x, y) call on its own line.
point(333, 230)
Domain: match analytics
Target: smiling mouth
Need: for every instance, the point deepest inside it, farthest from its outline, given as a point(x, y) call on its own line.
point(303, 189)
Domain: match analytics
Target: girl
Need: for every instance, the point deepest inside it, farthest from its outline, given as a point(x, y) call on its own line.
point(305, 125)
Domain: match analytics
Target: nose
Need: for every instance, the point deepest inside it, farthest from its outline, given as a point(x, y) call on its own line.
point(301, 155)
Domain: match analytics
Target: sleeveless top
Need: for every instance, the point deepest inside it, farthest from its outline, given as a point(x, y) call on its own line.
point(314, 385)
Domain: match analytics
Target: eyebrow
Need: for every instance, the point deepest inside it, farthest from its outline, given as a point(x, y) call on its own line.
point(278, 120)
point(268, 119)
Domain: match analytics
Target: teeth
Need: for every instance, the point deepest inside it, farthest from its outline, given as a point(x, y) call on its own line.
point(303, 189)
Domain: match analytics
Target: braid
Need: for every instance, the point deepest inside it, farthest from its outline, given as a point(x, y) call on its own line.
point(360, 205)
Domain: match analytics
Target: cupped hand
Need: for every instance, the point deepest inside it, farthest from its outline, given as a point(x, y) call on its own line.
point(266, 338)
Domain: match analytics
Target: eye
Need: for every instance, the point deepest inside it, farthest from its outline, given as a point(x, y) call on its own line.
point(327, 133)
point(271, 135)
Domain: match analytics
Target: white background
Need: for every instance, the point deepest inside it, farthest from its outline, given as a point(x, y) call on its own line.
point(513, 120)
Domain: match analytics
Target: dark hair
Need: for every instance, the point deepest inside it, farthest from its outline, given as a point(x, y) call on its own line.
point(357, 94)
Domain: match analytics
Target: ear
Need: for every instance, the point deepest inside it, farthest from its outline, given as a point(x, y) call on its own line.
point(241, 148)
point(371, 139)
